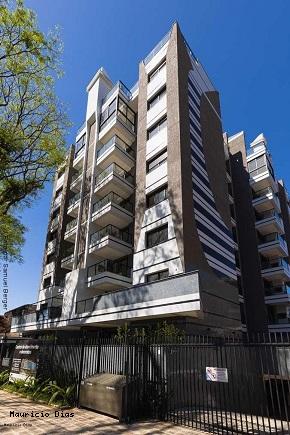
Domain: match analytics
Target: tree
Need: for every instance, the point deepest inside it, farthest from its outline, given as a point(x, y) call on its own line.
point(32, 121)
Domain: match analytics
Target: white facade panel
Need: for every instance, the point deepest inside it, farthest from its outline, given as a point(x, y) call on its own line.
point(156, 175)
point(157, 111)
point(156, 143)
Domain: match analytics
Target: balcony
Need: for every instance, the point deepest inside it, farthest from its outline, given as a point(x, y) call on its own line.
point(116, 151)
point(277, 270)
point(54, 224)
point(269, 222)
point(117, 119)
point(115, 179)
point(70, 231)
point(73, 205)
point(111, 242)
point(113, 210)
point(51, 246)
point(49, 292)
point(76, 182)
point(118, 88)
point(49, 268)
point(109, 275)
point(266, 199)
point(262, 178)
point(57, 202)
point(273, 245)
point(278, 295)
point(68, 260)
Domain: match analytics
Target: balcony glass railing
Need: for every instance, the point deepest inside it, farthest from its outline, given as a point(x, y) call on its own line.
point(119, 143)
point(114, 169)
point(57, 201)
point(110, 230)
point(120, 86)
point(68, 255)
point(71, 225)
point(274, 237)
point(273, 290)
point(54, 222)
point(115, 267)
point(263, 192)
point(273, 263)
point(74, 200)
point(269, 214)
point(113, 198)
point(76, 177)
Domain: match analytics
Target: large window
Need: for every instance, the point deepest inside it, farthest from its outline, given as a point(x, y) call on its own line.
point(157, 128)
point(162, 274)
point(154, 74)
point(157, 196)
point(153, 101)
point(259, 165)
point(124, 113)
point(157, 236)
point(80, 145)
point(156, 161)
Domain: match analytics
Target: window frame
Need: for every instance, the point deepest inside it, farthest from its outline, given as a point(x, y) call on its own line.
point(158, 273)
point(150, 195)
point(155, 231)
point(156, 70)
point(154, 159)
point(160, 123)
point(156, 98)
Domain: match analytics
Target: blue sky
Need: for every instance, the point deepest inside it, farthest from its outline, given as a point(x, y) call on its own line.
point(243, 45)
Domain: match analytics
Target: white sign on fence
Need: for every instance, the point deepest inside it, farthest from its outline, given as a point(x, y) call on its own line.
point(216, 374)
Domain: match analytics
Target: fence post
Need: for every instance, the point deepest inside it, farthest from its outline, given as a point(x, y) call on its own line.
point(81, 365)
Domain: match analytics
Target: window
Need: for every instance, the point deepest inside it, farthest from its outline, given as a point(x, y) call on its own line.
point(157, 196)
point(156, 161)
point(157, 128)
point(108, 112)
point(157, 236)
point(80, 145)
point(154, 74)
point(47, 282)
point(156, 276)
point(124, 113)
point(153, 101)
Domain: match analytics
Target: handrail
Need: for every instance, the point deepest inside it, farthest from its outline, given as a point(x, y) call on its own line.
point(110, 230)
point(119, 85)
point(109, 266)
point(74, 199)
point(115, 199)
point(115, 140)
point(72, 224)
point(115, 169)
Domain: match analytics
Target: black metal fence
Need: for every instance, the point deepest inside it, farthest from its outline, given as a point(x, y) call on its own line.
point(233, 385)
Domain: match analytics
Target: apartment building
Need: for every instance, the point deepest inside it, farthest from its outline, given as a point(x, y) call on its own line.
point(261, 210)
point(149, 211)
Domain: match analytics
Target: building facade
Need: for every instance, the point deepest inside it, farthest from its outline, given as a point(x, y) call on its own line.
point(149, 211)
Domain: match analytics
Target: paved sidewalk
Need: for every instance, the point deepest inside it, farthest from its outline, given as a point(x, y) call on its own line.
point(83, 421)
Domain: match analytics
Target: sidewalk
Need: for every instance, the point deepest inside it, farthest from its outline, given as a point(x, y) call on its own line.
point(83, 421)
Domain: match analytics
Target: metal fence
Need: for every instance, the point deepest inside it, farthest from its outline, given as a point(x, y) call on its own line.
point(233, 385)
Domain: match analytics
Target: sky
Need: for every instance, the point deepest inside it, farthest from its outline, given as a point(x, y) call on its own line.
point(243, 45)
